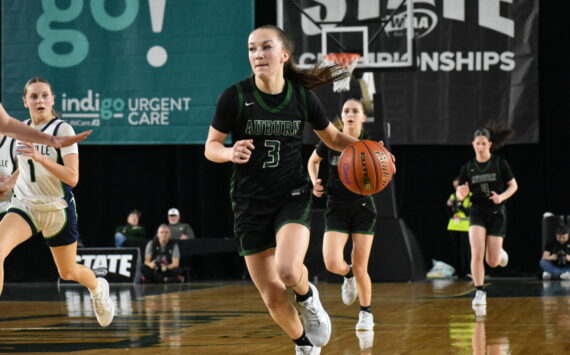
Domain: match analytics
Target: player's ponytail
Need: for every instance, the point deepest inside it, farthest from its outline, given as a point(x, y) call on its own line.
point(313, 78)
point(497, 133)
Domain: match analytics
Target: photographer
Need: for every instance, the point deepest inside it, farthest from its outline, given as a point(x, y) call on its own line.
point(162, 258)
point(556, 257)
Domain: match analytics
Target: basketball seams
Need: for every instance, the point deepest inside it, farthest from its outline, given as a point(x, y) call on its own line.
point(377, 168)
point(356, 176)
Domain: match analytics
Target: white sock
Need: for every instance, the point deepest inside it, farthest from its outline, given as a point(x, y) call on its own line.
point(97, 291)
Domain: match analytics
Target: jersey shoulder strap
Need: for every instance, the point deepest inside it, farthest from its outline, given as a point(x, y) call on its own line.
point(242, 87)
point(304, 102)
point(13, 155)
point(498, 167)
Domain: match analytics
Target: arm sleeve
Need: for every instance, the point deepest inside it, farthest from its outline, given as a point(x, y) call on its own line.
point(64, 130)
point(549, 247)
point(176, 251)
point(226, 110)
point(506, 171)
point(321, 150)
point(463, 177)
point(317, 116)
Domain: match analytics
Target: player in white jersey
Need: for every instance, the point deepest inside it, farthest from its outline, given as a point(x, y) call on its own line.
point(43, 202)
point(7, 168)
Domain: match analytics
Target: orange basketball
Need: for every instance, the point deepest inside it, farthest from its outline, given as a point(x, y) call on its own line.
point(365, 167)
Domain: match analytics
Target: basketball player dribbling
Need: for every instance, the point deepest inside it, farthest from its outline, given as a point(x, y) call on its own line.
point(270, 190)
point(43, 201)
point(490, 180)
point(347, 214)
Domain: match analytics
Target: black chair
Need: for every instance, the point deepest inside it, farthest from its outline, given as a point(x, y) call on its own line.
point(549, 223)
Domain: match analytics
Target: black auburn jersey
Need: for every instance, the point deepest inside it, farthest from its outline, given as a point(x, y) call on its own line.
point(335, 188)
point(275, 123)
point(483, 178)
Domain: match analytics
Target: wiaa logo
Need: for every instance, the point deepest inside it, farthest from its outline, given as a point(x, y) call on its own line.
point(424, 21)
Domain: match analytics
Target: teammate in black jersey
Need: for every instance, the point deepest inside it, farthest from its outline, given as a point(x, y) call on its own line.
point(270, 191)
point(490, 180)
point(347, 214)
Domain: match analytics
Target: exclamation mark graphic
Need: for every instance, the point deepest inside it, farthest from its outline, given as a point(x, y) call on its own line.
point(156, 55)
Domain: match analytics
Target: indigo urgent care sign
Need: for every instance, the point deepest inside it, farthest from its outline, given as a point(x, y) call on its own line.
point(134, 71)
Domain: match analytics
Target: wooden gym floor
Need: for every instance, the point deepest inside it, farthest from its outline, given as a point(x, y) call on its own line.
point(524, 316)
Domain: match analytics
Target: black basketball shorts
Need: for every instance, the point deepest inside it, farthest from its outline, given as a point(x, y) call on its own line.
point(257, 221)
point(493, 220)
point(351, 217)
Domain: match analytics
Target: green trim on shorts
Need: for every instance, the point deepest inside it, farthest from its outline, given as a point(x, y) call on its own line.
point(368, 232)
point(304, 217)
point(255, 251)
point(337, 230)
point(296, 221)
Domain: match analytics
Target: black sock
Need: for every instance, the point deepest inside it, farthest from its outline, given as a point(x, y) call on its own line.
point(366, 309)
point(302, 340)
point(349, 275)
point(303, 298)
point(479, 288)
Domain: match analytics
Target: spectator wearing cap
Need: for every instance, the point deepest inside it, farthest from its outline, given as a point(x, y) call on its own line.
point(131, 231)
point(555, 261)
point(179, 231)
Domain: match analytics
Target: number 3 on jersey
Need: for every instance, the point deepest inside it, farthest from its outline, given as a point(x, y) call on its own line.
point(272, 153)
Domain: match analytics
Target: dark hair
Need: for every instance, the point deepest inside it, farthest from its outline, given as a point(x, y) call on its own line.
point(337, 121)
point(561, 230)
point(137, 212)
point(39, 79)
point(313, 78)
point(497, 133)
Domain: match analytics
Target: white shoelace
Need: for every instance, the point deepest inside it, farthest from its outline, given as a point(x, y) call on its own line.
point(311, 313)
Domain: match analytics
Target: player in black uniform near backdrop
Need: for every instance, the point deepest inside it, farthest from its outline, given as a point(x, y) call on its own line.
point(270, 190)
point(347, 214)
point(490, 179)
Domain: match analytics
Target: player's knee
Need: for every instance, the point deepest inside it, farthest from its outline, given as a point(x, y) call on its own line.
point(4, 252)
point(334, 265)
point(477, 256)
point(493, 262)
point(66, 274)
point(359, 270)
point(288, 276)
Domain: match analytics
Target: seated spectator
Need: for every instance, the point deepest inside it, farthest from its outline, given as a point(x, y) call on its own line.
point(556, 257)
point(162, 258)
point(130, 231)
point(179, 231)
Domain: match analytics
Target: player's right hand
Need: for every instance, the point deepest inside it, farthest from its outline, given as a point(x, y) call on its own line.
point(462, 191)
point(241, 151)
point(318, 189)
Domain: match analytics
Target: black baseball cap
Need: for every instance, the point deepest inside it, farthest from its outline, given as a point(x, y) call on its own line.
point(561, 229)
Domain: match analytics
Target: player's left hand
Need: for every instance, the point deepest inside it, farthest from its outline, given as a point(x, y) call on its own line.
point(64, 141)
point(28, 149)
point(496, 198)
point(391, 156)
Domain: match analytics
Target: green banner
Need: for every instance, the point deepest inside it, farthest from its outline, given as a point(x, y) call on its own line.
point(134, 71)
